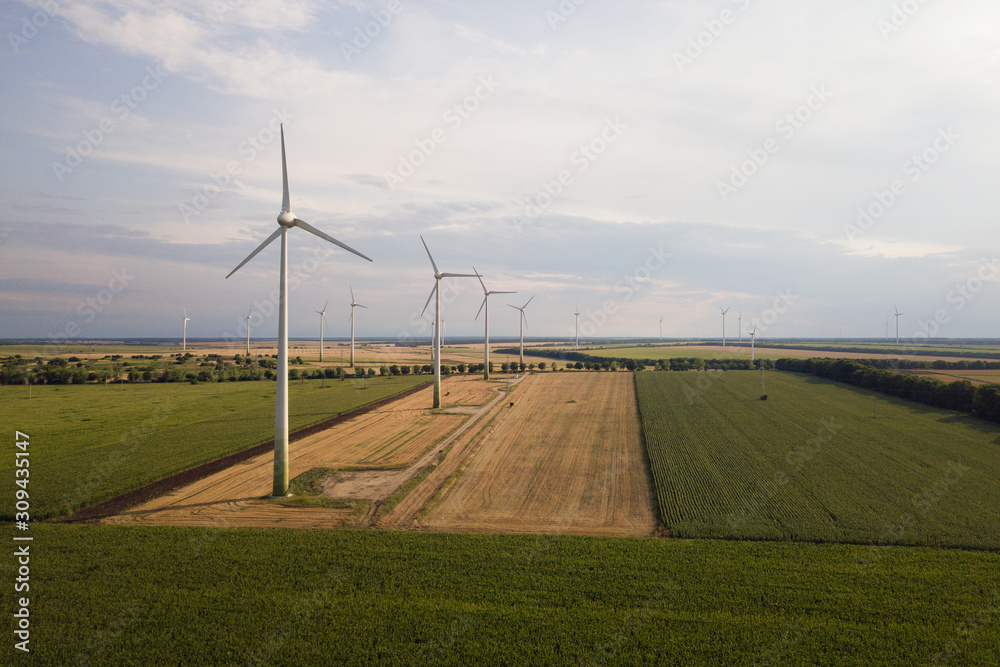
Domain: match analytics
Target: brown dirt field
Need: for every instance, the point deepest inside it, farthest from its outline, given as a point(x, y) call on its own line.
point(396, 435)
point(583, 473)
point(974, 376)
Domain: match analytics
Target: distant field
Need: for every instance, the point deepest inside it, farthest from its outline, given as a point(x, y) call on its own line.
point(810, 462)
point(91, 442)
point(566, 457)
point(735, 351)
point(105, 595)
point(973, 376)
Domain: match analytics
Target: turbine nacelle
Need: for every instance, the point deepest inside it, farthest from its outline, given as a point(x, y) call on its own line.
point(287, 219)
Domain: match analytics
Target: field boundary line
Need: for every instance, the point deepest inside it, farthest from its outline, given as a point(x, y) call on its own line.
point(123, 501)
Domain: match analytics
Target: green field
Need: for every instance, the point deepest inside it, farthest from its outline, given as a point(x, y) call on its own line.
point(105, 595)
point(91, 442)
point(776, 350)
point(811, 463)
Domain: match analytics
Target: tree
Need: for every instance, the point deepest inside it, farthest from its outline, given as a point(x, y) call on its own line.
point(461, 368)
point(541, 366)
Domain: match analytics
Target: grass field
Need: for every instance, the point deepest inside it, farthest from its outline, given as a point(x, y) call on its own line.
point(91, 442)
point(126, 596)
point(811, 463)
point(734, 350)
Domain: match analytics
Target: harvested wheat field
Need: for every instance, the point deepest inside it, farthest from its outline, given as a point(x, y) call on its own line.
point(567, 457)
point(392, 441)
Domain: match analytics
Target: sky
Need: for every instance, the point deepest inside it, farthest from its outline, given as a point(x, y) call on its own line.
point(813, 167)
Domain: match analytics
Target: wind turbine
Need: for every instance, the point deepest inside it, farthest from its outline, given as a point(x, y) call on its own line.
point(577, 313)
point(724, 325)
point(897, 321)
point(753, 338)
point(248, 328)
point(524, 323)
point(436, 292)
point(185, 343)
point(661, 328)
point(354, 304)
point(322, 321)
point(740, 327)
point(486, 341)
point(887, 328)
point(286, 220)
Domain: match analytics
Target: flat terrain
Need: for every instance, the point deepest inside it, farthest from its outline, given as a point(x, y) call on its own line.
point(113, 595)
point(91, 442)
point(567, 457)
point(390, 439)
point(735, 351)
point(951, 375)
point(812, 463)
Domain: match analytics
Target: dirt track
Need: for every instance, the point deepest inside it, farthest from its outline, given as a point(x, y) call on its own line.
point(567, 457)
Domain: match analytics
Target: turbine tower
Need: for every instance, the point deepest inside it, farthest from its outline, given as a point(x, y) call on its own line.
point(249, 315)
point(354, 304)
point(753, 338)
point(184, 345)
point(577, 313)
point(286, 221)
point(436, 292)
point(724, 325)
point(486, 341)
point(524, 323)
point(897, 321)
point(661, 329)
point(322, 321)
point(887, 328)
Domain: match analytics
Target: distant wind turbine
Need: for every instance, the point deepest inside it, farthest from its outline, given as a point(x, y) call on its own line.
point(740, 327)
point(354, 304)
point(661, 328)
point(436, 292)
point(753, 338)
point(322, 322)
point(286, 220)
point(249, 315)
point(524, 323)
point(184, 345)
point(577, 313)
point(887, 328)
point(486, 341)
point(897, 321)
point(724, 325)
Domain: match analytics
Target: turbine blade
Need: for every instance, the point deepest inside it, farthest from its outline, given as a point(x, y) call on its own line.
point(513, 306)
point(433, 289)
point(323, 235)
point(481, 307)
point(325, 305)
point(275, 234)
point(285, 204)
point(500, 292)
point(529, 301)
point(360, 306)
point(458, 275)
point(429, 256)
point(480, 278)
point(352, 293)
point(525, 318)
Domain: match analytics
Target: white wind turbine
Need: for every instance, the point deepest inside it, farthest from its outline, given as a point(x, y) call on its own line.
point(724, 325)
point(887, 328)
point(577, 313)
point(524, 323)
point(897, 321)
point(286, 220)
point(322, 321)
point(661, 328)
point(753, 338)
point(486, 341)
point(436, 291)
point(354, 304)
point(184, 345)
point(249, 315)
